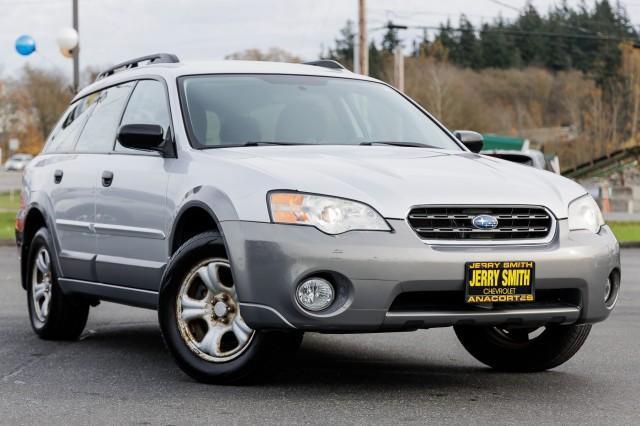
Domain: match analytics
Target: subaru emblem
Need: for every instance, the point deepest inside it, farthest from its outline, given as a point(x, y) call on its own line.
point(484, 221)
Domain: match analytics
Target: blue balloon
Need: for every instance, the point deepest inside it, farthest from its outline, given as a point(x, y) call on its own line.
point(25, 45)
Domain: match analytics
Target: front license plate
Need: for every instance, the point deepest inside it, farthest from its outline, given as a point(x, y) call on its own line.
point(499, 282)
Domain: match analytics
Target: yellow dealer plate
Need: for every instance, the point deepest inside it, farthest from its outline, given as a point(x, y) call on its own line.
point(499, 282)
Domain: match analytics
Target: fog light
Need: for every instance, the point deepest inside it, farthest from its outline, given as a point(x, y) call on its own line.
point(611, 290)
point(607, 289)
point(315, 294)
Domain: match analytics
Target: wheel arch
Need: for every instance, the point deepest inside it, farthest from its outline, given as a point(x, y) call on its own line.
point(198, 204)
point(194, 217)
point(34, 219)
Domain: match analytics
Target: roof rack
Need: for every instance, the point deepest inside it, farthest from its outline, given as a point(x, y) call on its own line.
point(326, 63)
point(157, 58)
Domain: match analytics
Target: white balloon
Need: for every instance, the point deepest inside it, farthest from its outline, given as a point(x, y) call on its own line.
point(67, 39)
point(66, 53)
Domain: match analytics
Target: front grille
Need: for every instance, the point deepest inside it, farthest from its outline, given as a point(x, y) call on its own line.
point(455, 222)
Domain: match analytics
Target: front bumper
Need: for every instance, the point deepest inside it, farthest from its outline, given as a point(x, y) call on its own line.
point(374, 268)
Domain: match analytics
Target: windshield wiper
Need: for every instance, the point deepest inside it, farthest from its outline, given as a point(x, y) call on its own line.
point(258, 143)
point(409, 144)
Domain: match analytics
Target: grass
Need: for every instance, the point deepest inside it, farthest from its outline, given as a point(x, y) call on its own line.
point(626, 231)
point(8, 207)
point(7, 203)
point(7, 225)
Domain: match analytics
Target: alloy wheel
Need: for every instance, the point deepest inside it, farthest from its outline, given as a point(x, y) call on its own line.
point(518, 335)
point(41, 280)
point(208, 313)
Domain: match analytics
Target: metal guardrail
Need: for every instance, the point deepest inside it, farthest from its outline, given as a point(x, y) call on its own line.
point(609, 162)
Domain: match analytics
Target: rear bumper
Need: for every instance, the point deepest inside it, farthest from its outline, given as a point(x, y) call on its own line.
point(373, 268)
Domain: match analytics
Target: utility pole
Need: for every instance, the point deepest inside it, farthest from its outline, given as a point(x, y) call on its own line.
point(76, 50)
point(398, 59)
point(363, 46)
point(356, 55)
point(398, 68)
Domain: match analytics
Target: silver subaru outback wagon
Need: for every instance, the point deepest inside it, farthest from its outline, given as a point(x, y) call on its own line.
point(250, 202)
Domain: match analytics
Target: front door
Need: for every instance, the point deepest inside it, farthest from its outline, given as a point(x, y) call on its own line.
point(132, 216)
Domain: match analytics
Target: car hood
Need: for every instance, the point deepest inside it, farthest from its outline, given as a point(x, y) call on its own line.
point(393, 179)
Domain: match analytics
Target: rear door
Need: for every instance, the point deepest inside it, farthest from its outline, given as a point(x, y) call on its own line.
point(131, 205)
point(69, 179)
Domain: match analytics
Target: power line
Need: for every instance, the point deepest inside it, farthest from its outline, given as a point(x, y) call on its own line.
point(404, 13)
point(601, 37)
point(507, 5)
point(34, 2)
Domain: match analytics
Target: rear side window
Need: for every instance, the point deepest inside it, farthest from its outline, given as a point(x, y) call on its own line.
point(147, 105)
point(99, 133)
point(66, 132)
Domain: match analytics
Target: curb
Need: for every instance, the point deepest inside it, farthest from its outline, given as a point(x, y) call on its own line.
point(7, 243)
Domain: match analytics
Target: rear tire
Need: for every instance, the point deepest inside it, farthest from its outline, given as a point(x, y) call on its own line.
point(522, 349)
point(201, 321)
point(53, 315)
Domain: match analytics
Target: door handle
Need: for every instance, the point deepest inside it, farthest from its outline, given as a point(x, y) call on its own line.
point(107, 178)
point(57, 176)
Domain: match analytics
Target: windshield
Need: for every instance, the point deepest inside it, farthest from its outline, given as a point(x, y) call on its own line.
point(233, 110)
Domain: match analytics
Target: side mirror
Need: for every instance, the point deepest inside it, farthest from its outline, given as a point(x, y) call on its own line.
point(472, 140)
point(146, 137)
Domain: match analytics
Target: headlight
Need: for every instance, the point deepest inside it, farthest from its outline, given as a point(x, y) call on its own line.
point(328, 214)
point(584, 213)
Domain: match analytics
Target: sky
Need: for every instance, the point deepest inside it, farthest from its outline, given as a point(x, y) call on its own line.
point(112, 31)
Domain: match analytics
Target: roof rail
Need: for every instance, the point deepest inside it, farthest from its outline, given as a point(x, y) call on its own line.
point(326, 63)
point(157, 58)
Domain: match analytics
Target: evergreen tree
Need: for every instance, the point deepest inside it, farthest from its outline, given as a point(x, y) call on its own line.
point(421, 46)
point(446, 37)
point(607, 60)
point(344, 46)
point(466, 50)
point(529, 43)
point(494, 48)
point(390, 40)
point(584, 38)
point(556, 52)
point(376, 62)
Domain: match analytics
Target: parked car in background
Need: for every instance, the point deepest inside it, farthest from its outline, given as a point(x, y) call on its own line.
point(531, 157)
point(17, 162)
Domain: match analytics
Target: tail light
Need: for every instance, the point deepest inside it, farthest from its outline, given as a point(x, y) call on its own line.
point(20, 214)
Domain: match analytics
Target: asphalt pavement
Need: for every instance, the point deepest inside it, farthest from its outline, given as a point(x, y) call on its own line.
point(120, 373)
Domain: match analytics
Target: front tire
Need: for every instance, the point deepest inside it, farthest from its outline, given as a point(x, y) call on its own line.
point(523, 349)
point(201, 322)
point(53, 315)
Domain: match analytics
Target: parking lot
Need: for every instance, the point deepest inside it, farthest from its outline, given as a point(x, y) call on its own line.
point(119, 372)
point(10, 181)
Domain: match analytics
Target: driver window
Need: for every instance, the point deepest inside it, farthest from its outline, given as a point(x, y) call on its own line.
point(147, 105)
